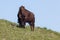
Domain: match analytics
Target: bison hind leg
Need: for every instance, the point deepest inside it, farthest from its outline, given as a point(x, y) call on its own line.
point(31, 26)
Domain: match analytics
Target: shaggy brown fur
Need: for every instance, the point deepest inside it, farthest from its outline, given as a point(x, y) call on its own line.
point(26, 16)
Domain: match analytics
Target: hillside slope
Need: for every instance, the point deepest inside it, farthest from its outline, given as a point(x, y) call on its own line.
point(9, 31)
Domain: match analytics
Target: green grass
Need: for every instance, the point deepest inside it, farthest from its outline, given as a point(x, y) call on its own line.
point(9, 31)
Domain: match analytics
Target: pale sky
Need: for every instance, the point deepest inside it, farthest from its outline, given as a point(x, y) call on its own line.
point(47, 12)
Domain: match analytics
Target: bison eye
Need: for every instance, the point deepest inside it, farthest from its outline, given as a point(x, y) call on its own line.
point(20, 16)
point(23, 15)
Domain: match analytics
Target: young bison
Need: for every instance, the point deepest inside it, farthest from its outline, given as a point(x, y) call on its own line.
point(25, 16)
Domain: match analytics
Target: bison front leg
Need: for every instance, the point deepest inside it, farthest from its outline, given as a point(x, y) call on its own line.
point(23, 24)
point(19, 22)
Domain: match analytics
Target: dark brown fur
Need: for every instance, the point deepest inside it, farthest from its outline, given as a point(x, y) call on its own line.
point(26, 16)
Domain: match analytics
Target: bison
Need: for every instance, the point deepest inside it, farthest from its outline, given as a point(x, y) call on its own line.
point(25, 16)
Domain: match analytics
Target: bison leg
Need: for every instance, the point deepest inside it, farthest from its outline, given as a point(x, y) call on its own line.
point(23, 24)
point(20, 23)
point(32, 26)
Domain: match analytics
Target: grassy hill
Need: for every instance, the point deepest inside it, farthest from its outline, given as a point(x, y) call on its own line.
point(10, 31)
